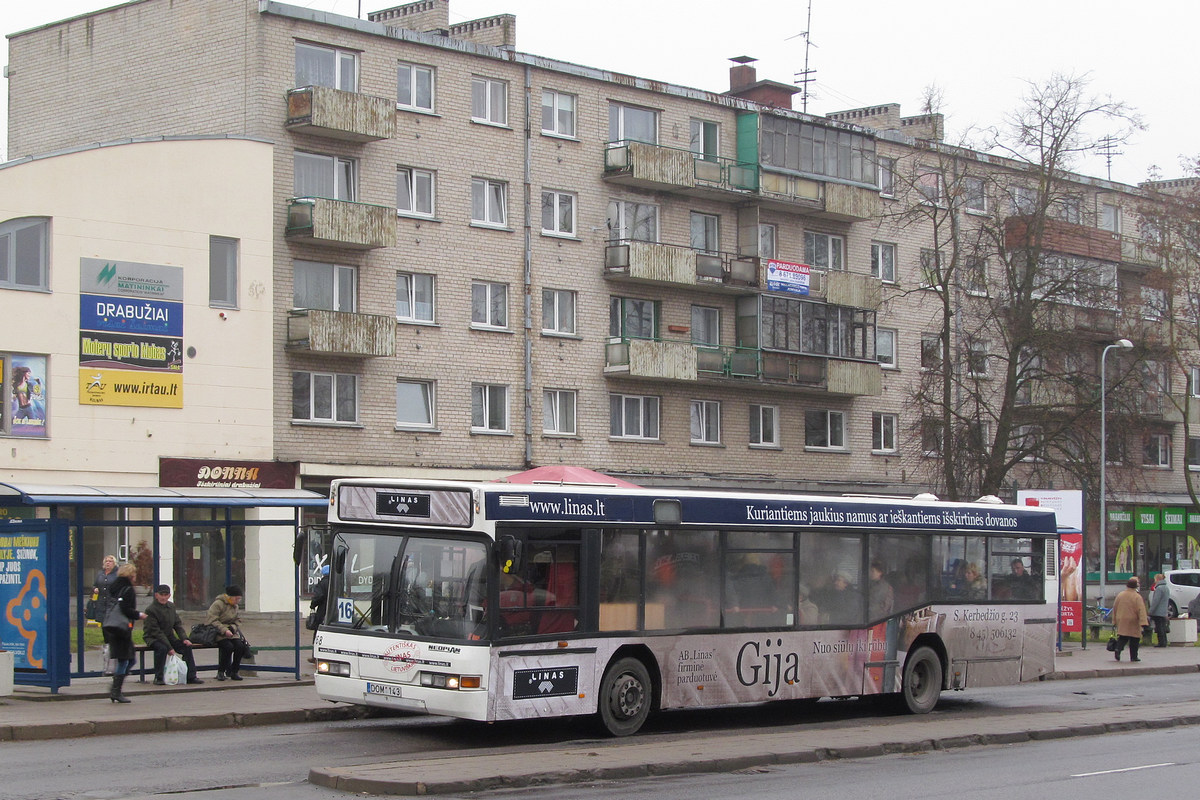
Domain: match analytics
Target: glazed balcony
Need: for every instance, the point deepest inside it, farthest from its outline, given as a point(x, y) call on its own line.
point(341, 333)
point(824, 199)
point(341, 223)
point(337, 114)
point(660, 168)
point(650, 262)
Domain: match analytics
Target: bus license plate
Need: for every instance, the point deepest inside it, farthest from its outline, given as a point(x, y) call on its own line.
point(388, 689)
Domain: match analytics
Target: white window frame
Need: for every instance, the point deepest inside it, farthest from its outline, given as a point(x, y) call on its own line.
point(1109, 218)
point(1192, 456)
point(618, 125)
point(709, 319)
point(415, 286)
point(336, 384)
point(834, 429)
point(704, 138)
point(978, 358)
point(341, 60)
point(1024, 200)
point(886, 356)
point(486, 107)
point(705, 419)
point(344, 178)
point(883, 432)
point(975, 199)
point(931, 351)
point(489, 203)
point(885, 175)
point(705, 232)
point(424, 394)
point(488, 400)
point(768, 238)
point(556, 203)
point(413, 89)
point(883, 261)
point(342, 280)
point(1161, 449)
point(1154, 303)
point(223, 271)
point(647, 409)
point(764, 426)
point(975, 272)
point(12, 274)
point(621, 227)
point(559, 312)
point(825, 251)
point(485, 313)
point(559, 407)
point(418, 189)
point(555, 102)
point(1194, 381)
point(930, 186)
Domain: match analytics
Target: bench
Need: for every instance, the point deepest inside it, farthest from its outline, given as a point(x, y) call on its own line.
point(140, 650)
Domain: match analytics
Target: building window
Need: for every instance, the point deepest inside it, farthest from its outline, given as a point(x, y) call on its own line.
point(929, 185)
point(974, 195)
point(1154, 303)
point(823, 251)
point(886, 176)
point(414, 192)
point(931, 351)
point(1194, 381)
point(1158, 451)
point(330, 287)
point(766, 240)
point(977, 358)
point(558, 411)
point(222, 272)
point(1068, 209)
point(824, 429)
point(324, 397)
point(330, 177)
point(813, 149)
point(633, 416)
point(414, 297)
point(706, 422)
point(1193, 453)
point(632, 124)
point(558, 113)
point(705, 232)
point(489, 305)
point(706, 326)
point(488, 206)
point(489, 408)
point(23, 253)
point(1026, 443)
point(414, 404)
point(885, 347)
point(975, 275)
point(704, 142)
point(1110, 217)
point(489, 101)
point(764, 426)
point(558, 213)
point(1024, 199)
point(883, 432)
point(414, 87)
point(631, 318)
point(558, 311)
point(636, 221)
point(326, 66)
point(883, 261)
point(931, 272)
point(931, 437)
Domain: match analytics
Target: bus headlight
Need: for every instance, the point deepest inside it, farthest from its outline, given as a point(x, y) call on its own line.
point(339, 668)
point(439, 680)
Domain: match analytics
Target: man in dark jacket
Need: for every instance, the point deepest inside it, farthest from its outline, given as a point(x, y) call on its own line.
point(163, 630)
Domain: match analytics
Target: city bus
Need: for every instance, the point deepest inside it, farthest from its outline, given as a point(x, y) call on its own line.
point(497, 601)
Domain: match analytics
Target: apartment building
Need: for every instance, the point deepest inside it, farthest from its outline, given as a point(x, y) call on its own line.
point(484, 260)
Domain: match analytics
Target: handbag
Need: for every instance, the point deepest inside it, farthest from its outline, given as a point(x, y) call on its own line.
point(314, 621)
point(174, 671)
point(115, 618)
point(203, 634)
point(1112, 644)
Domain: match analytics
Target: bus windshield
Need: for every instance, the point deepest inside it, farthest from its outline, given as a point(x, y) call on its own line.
point(410, 584)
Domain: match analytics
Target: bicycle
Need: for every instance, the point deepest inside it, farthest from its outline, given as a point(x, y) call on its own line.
point(1098, 617)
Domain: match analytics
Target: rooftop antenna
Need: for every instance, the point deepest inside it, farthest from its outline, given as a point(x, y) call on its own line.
point(1106, 147)
point(805, 77)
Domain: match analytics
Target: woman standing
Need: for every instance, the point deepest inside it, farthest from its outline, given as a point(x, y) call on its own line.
point(1129, 614)
point(231, 646)
point(102, 586)
point(118, 627)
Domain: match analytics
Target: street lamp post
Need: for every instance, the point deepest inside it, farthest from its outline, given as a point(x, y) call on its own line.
point(1120, 344)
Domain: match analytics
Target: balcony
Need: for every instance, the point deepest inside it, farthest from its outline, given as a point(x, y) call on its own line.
point(659, 168)
point(340, 223)
point(824, 199)
point(1065, 238)
point(1140, 253)
point(336, 114)
point(650, 262)
point(853, 290)
point(743, 366)
point(341, 333)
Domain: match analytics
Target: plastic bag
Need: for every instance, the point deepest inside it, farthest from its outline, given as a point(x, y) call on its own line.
point(174, 671)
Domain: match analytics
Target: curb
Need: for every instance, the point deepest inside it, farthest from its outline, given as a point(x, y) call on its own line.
point(1119, 672)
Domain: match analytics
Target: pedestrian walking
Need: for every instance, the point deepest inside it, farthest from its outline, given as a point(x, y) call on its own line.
point(1160, 604)
point(118, 628)
point(1129, 615)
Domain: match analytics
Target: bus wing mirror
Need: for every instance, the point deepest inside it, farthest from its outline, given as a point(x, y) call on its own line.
point(510, 554)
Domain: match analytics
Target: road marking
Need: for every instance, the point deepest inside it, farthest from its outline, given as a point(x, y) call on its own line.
point(1125, 769)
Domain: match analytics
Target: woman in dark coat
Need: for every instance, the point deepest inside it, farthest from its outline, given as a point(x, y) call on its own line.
point(119, 637)
point(102, 586)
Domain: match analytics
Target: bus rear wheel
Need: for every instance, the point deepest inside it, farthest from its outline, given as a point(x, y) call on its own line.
point(922, 683)
point(625, 697)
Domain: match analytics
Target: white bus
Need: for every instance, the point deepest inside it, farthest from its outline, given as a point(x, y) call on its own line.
point(496, 601)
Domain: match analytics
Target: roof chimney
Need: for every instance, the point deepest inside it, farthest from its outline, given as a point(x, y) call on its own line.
point(744, 83)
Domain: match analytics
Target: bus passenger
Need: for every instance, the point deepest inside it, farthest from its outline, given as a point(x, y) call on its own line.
point(976, 584)
point(1021, 583)
point(882, 598)
point(843, 604)
point(806, 611)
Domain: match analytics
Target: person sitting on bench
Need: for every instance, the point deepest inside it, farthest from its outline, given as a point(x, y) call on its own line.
point(163, 630)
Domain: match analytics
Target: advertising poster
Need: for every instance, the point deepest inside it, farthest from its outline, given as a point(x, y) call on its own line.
point(23, 598)
point(27, 393)
point(1071, 575)
point(784, 276)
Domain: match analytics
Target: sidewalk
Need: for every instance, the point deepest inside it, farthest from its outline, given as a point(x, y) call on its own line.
point(82, 709)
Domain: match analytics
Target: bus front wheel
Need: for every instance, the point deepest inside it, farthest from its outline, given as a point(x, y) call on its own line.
point(625, 697)
point(922, 685)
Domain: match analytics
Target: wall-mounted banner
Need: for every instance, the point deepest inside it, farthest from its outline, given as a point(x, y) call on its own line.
point(228, 474)
point(117, 387)
point(784, 276)
point(27, 390)
point(127, 351)
point(122, 314)
point(130, 279)
point(23, 596)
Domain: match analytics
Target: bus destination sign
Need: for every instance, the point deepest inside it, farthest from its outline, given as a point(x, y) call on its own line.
point(402, 504)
